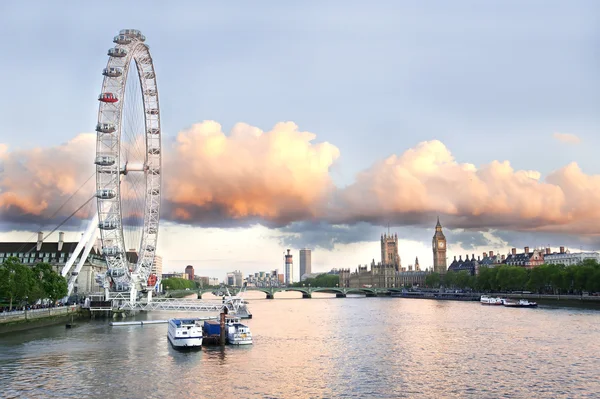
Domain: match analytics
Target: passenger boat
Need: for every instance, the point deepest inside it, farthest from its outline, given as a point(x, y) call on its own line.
point(237, 333)
point(185, 333)
point(487, 300)
point(521, 303)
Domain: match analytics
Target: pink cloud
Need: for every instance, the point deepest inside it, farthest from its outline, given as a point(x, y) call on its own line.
point(283, 175)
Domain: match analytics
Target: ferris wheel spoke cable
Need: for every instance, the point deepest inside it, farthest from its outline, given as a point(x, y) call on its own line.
point(66, 220)
point(57, 211)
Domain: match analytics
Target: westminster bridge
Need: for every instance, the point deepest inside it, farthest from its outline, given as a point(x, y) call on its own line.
point(340, 292)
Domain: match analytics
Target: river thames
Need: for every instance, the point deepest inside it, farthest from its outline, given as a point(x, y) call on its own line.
point(322, 348)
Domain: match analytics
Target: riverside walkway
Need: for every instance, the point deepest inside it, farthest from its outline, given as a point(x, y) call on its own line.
point(19, 315)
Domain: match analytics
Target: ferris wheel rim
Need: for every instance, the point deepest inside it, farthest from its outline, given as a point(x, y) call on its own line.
point(129, 50)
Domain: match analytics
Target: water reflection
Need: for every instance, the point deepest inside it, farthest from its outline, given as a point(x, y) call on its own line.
point(321, 347)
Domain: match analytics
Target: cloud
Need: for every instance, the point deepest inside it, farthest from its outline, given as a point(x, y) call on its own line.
point(567, 138)
point(210, 177)
point(325, 235)
point(281, 177)
point(34, 183)
point(277, 176)
point(426, 180)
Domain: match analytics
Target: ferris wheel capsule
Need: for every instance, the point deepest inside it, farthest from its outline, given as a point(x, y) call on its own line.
point(105, 128)
point(106, 194)
point(111, 251)
point(118, 272)
point(108, 98)
point(112, 72)
point(122, 39)
point(108, 225)
point(105, 160)
point(122, 287)
point(118, 52)
point(133, 33)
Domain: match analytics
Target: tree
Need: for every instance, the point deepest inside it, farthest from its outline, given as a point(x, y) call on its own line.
point(449, 279)
point(53, 285)
point(322, 280)
point(175, 283)
point(462, 279)
point(16, 280)
point(433, 280)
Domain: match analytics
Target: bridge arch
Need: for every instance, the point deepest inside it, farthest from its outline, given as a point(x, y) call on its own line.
point(362, 291)
point(329, 290)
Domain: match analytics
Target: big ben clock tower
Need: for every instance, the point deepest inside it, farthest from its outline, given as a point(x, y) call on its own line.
point(439, 249)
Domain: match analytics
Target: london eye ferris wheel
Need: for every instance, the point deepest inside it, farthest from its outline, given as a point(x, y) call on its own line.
point(128, 163)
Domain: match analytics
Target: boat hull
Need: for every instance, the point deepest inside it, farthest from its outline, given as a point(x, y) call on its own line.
point(241, 342)
point(485, 300)
point(516, 305)
point(193, 342)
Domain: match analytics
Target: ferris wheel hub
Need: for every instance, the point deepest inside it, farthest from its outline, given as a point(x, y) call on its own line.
point(133, 167)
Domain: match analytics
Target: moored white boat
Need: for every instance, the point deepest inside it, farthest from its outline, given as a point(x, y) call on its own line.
point(521, 303)
point(487, 300)
point(237, 333)
point(185, 333)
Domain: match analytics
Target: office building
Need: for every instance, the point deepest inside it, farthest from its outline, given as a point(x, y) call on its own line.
point(305, 262)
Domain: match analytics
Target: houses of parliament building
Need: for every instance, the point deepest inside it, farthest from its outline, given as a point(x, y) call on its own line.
point(389, 273)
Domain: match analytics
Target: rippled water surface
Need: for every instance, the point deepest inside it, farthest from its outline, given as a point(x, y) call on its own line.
point(319, 348)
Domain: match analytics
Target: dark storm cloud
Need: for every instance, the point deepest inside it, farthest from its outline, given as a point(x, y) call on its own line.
point(324, 235)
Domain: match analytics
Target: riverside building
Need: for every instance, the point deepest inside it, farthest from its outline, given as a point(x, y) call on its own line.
point(57, 253)
point(388, 273)
point(305, 262)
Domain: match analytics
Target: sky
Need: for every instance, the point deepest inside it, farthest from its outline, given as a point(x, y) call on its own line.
point(317, 124)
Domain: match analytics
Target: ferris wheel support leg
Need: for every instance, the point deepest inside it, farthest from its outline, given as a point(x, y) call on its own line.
point(88, 248)
point(106, 294)
point(86, 236)
point(133, 295)
point(150, 296)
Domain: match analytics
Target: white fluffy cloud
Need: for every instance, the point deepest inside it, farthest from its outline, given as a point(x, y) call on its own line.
point(282, 175)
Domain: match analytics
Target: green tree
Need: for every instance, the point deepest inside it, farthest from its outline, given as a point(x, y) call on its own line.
point(175, 283)
point(432, 280)
point(322, 280)
point(449, 279)
point(486, 280)
point(16, 281)
point(538, 279)
point(462, 279)
point(53, 285)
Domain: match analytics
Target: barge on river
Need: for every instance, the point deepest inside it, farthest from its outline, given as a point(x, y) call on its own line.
point(185, 333)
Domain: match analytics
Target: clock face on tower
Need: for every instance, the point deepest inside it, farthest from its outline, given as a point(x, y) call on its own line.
point(441, 244)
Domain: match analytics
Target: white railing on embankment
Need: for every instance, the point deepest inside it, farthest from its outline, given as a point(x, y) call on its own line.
point(35, 313)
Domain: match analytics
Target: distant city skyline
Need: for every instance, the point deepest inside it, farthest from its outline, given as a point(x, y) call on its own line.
point(319, 126)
